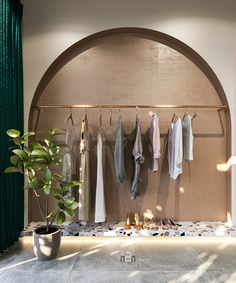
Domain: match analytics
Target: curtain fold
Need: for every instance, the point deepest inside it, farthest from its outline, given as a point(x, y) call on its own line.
point(11, 116)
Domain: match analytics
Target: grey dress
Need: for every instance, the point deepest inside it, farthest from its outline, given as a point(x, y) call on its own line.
point(119, 154)
point(138, 160)
point(84, 188)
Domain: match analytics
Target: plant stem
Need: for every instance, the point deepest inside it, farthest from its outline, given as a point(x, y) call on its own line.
point(54, 217)
point(47, 224)
point(39, 205)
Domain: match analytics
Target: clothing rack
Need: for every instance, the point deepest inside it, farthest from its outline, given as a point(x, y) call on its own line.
point(158, 106)
point(219, 108)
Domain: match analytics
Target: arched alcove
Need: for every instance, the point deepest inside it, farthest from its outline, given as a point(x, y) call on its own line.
point(141, 66)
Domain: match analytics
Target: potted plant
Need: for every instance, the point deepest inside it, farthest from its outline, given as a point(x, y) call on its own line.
point(38, 160)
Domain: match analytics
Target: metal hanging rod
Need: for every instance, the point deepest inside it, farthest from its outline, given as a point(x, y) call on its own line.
point(160, 106)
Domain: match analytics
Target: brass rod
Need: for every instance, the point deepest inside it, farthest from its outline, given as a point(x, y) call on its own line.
point(219, 107)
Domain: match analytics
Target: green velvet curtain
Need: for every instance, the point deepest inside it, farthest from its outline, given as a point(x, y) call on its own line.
point(11, 116)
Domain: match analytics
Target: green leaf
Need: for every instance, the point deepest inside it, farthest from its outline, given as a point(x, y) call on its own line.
point(47, 142)
point(47, 189)
point(14, 159)
point(61, 218)
point(41, 153)
point(17, 141)
point(55, 131)
point(28, 134)
point(74, 205)
point(70, 184)
point(57, 192)
point(36, 145)
point(12, 147)
point(31, 172)
point(61, 204)
point(56, 161)
point(49, 215)
point(36, 184)
point(20, 166)
point(58, 177)
point(70, 211)
point(11, 170)
point(13, 133)
point(70, 200)
point(21, 153)
point(47, 175)
point(26, 149)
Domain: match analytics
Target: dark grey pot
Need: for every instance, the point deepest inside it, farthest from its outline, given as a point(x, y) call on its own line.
point(46, 246)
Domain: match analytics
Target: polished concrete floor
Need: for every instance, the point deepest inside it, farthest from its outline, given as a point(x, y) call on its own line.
point(107, 259)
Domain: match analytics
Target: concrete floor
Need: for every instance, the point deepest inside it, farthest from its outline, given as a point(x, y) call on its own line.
point(88, 259)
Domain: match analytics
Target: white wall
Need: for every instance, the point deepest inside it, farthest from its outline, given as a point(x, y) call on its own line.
point(208, 26)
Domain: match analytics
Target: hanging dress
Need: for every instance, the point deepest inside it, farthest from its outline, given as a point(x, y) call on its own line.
point(84, 188)
point(154, 134)
point(187, 138)
point(138, 160)
point(100, 210)
point(119, 153)
point(69, 158)
point(175, 149)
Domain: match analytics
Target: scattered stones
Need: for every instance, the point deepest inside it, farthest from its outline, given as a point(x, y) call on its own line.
point(195, 228)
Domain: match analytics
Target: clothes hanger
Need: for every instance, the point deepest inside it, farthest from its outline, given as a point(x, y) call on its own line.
point(185, 115)
point(70, 117)
point(173, 120)
point(100, 118)
point(137, 113)
point(195, 115)
point(109, 130)
point(151, 113)
point(110, 118)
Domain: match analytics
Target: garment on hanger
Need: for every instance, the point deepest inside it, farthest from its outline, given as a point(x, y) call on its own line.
point(119, 153)
point(138, 160)
point(175, 149)
point(154, 134)
point(84, 188)
point(69, 158)
point(100, 210)
point(187, 138)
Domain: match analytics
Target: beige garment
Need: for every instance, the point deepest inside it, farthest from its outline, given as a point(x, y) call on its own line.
point(154, 133)
point(187, 138)
point(84, 188)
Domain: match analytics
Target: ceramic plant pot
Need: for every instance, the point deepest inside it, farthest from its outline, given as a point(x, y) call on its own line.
point(46, 245)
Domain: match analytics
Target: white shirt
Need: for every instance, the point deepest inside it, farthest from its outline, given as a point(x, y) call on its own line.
point(100, 210)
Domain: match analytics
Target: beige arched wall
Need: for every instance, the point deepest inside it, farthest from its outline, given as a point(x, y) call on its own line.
point(132, 69)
